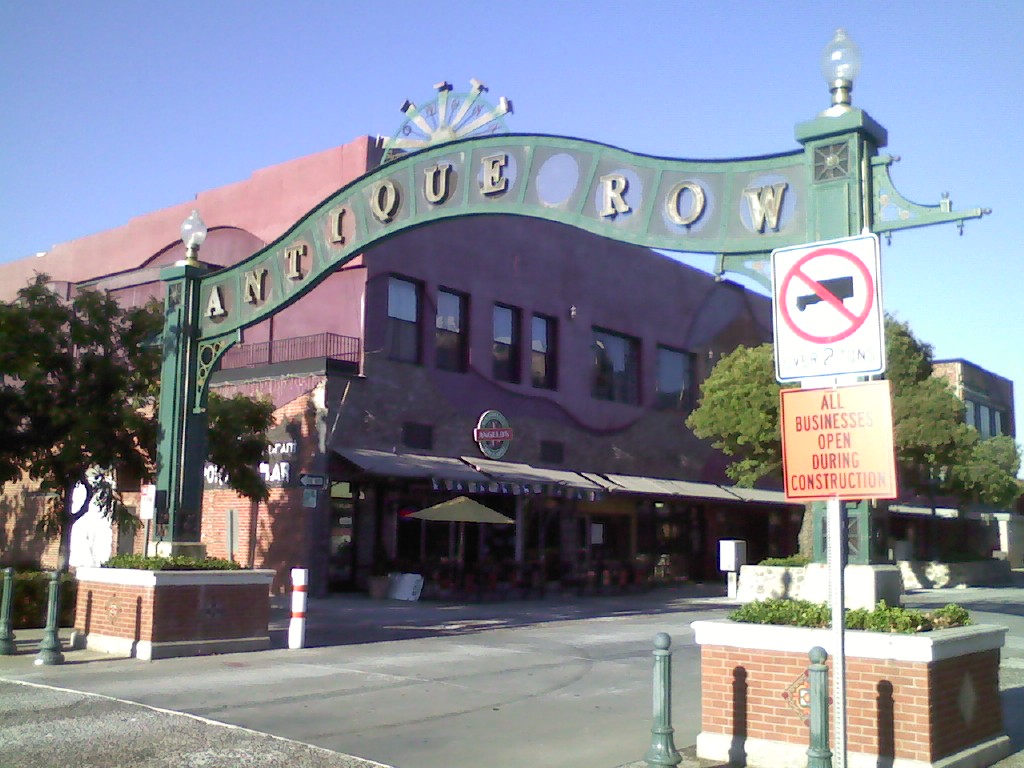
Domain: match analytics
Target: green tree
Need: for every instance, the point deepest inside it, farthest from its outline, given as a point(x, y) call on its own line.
point(237, 440)
point(937, 452)
point(739, 413)
point(78, 385)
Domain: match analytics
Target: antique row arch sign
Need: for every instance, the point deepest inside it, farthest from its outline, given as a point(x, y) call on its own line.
point(740, 210)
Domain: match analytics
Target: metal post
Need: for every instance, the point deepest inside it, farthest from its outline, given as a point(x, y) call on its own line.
point(663, 749)
point(7, 647)
point(818, 754)
point(181, 451)
point(836, 564)
point(49, 649)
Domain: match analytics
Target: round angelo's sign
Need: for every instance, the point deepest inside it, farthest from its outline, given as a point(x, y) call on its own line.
point(493, 434)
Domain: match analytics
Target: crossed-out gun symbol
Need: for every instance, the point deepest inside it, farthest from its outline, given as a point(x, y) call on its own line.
point(840, 287)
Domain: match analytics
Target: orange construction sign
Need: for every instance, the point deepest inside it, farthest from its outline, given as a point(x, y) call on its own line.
point(838, 443)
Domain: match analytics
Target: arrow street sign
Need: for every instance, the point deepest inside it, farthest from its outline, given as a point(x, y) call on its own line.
point(827, 309)
point(312, 481)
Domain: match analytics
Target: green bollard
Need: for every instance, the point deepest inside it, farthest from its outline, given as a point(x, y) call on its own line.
point(663, 749)
point(7, 647)
point(818, 754)
point(49, 649)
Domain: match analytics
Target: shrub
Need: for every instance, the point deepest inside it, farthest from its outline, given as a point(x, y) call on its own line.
point(792, 561)
point(881, 618)
point(951, 615)
point(31, 595)
point(176, 563)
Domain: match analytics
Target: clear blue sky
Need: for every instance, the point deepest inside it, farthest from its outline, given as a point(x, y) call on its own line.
point(113, 109)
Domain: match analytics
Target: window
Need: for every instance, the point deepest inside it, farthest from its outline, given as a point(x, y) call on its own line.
point(984, 421)
point(969, 413)
point(450, 336)
point(552, 451)
point(616, 367)
point(506, 343)
point(674, 380)
point(543, 359)
point(403, 334)
point(417, 435)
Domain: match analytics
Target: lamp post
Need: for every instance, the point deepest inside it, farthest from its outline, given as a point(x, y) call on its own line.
point(193, 235)
point(182, 448)
point(840, 65)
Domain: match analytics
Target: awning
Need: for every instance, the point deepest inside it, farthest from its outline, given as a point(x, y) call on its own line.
point(760, 496)
point(461, 510)
point(528, 475)
point(412, 465)
point(910, 509)
point(653, 486)
point(473, 474)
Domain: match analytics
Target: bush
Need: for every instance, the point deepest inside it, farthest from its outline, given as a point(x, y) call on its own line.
point(882, 618)
point(31, 595)
point(792, 561)
point(794, 613)
point(176, 563)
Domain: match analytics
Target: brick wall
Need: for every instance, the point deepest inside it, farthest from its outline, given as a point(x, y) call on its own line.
point(171, 607)
point(922, 710)
point(21, 508)
point(114, 610)
point(273, 534)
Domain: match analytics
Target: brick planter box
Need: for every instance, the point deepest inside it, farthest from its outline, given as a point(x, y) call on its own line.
point(160, 614)
point(912, 701)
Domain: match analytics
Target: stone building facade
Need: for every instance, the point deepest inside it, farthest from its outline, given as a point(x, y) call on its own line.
point(592, 351)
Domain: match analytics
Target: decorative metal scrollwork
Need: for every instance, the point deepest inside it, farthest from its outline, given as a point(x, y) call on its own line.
point(832, 162)
point(209, 351)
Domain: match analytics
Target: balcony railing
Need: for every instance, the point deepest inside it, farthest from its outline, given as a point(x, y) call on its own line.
point(320, 345)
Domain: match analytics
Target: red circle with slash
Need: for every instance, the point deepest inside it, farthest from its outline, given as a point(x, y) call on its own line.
point(856, 319)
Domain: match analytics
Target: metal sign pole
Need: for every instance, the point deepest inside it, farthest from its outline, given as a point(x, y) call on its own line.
point(836, 542)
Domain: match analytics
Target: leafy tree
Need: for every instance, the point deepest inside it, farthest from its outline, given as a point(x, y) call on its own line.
point(739, 413)
point(237, 440)
point(78, 380)
point(937, 452)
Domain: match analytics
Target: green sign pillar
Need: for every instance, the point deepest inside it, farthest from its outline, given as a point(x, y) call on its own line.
point(839, 145)
point(181, 450)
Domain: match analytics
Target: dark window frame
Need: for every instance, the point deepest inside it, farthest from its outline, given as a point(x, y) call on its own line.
point(505, 356)
point(608, 381)
point(544, 363)
point(676, 399)
point(452, 355)
point(403, 337)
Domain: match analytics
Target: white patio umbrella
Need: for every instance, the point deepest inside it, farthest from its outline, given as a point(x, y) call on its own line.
point(462, 510)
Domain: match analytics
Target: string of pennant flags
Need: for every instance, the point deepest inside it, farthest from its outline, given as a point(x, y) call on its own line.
point(551, 490)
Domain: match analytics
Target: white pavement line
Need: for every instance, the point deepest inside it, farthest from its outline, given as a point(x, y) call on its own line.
point(198, 718)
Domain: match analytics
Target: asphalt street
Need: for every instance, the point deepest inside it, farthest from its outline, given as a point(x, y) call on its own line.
point(559, 683)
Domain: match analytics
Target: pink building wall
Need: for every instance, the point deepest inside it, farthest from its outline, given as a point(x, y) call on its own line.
point(265, 205)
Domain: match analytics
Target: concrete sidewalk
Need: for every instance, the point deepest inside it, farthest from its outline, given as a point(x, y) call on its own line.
point(101, 732)
point(46, 726)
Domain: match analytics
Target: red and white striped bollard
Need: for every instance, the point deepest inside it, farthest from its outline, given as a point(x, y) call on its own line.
point(297, 625)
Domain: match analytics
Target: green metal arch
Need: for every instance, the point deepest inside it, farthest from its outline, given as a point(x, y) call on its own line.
point(738, 209)
point(271, 279)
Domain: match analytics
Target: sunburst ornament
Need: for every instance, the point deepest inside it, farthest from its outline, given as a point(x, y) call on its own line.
point(447, 117)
